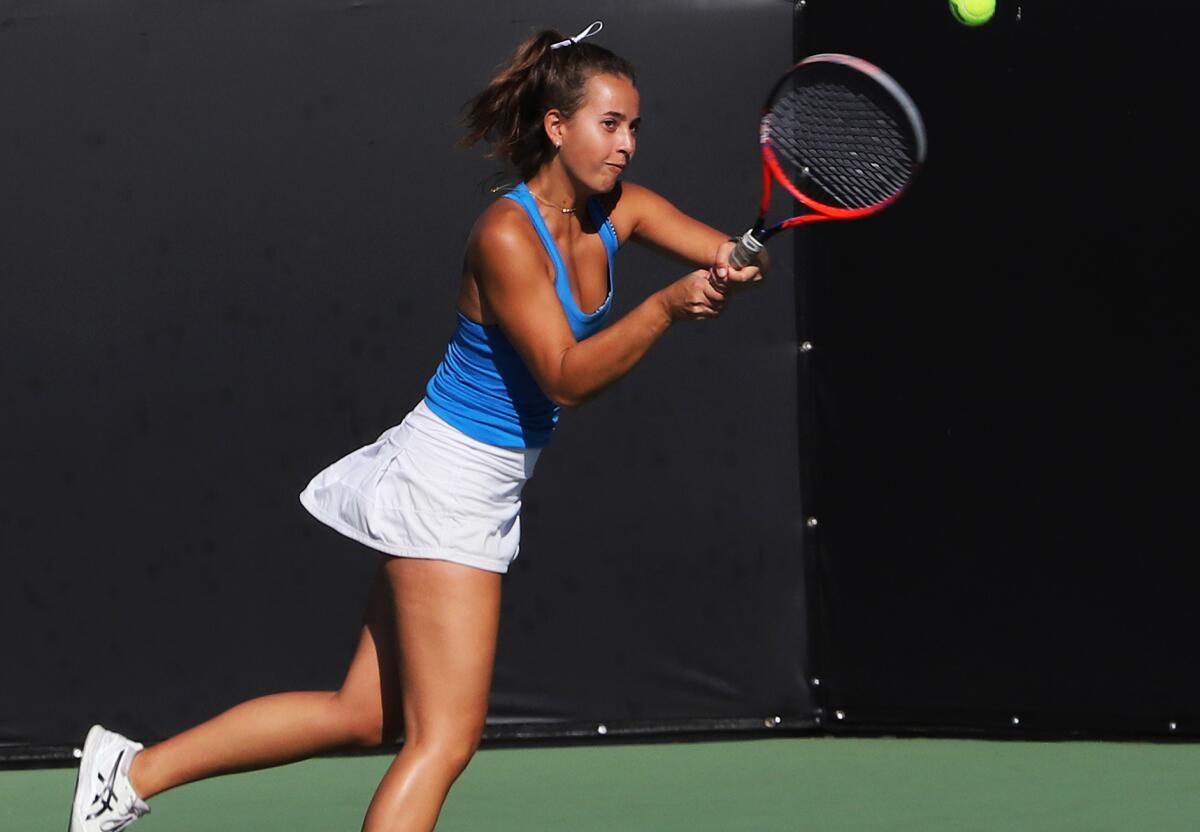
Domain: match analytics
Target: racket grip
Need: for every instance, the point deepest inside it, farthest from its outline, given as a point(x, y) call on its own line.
point(746, 251)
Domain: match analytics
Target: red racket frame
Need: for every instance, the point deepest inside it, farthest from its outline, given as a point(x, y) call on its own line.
point(773, 170)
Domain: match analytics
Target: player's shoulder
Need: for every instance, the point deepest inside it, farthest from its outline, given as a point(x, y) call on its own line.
point(503, 237)
point(632, 190)
point(501, 227)
point(626, 196)
point(635, 200)
point(629, 205)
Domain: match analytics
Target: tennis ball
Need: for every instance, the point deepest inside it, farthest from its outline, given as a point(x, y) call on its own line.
point(973, 12)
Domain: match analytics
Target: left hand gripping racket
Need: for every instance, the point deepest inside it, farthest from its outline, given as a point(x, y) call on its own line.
point(842, 137)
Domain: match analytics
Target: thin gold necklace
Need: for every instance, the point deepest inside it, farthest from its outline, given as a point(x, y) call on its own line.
point(550, 204)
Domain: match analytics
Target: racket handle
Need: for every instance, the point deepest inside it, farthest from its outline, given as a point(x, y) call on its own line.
point(746, 251)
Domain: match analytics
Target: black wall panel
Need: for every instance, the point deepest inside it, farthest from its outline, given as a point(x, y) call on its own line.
point(1003, 380)
point(231, 244)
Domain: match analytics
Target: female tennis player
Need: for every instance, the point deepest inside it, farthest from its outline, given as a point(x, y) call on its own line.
point(439, 495)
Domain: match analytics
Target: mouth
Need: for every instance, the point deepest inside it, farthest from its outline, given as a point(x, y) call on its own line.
point(617, 168)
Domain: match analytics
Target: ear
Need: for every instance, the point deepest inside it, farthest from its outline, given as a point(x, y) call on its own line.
point(553, 123)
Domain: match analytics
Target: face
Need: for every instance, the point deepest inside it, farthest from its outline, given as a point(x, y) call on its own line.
point(599, 141)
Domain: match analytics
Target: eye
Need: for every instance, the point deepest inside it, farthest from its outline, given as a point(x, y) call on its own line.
point(610, 123)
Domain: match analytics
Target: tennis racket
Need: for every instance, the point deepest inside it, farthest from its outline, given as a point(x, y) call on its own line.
point(842, 137)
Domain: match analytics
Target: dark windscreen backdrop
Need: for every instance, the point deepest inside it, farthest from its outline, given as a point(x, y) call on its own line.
point(232, 237)
point(1005, 381)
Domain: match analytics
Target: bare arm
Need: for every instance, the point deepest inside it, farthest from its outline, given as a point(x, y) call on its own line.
point(504, 255)
point(655, 222)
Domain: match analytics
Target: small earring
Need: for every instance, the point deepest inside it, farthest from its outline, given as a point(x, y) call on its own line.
point(558, 144)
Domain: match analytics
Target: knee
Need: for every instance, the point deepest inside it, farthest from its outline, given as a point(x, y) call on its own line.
point(367, 734)
point(451, 752)
point(364, 726)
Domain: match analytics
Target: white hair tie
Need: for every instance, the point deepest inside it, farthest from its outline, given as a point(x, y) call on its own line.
point(586, 33)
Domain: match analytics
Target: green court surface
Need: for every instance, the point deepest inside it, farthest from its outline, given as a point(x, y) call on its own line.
point(770, 784)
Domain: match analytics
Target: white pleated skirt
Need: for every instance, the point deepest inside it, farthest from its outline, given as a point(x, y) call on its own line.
point(424, 489)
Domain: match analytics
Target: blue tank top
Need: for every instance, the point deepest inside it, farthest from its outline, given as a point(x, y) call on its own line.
point(482, 387)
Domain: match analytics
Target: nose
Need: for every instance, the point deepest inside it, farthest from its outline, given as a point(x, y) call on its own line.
point(626, 143)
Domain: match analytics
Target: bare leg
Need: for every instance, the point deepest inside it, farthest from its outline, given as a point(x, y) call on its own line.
point(447, 619)
point(286, 727)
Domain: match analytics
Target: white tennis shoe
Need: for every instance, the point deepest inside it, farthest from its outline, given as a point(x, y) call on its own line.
point(104, 798)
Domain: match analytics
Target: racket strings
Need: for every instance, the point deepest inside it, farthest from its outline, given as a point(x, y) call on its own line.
point(843, 142)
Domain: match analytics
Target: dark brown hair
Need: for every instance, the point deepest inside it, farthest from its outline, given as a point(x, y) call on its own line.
point(508, 113)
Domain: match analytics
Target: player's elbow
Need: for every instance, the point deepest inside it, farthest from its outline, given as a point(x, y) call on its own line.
point(558, 383)
point(569, 391)
point(565, 398)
